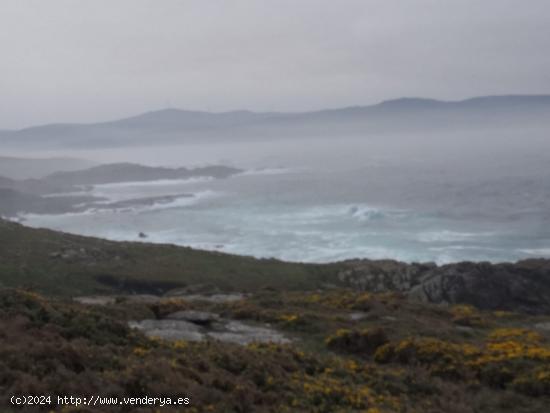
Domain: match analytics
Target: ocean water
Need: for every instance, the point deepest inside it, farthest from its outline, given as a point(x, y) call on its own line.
point(321, 201)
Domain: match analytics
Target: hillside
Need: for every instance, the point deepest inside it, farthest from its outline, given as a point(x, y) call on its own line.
point(58, 263)
point(64, 264)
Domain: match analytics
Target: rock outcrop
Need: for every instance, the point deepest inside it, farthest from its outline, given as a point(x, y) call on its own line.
point(523, 286)
point(382, 275)
point(207, 326)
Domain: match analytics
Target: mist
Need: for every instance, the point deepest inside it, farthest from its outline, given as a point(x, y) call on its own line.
point(68, 61)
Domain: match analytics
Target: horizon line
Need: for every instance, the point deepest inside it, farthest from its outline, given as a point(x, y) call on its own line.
point(327, 109)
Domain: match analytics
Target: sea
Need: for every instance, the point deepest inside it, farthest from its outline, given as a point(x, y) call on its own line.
point(426, 198)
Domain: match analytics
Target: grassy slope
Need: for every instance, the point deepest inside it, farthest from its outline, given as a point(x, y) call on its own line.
point(64, 264)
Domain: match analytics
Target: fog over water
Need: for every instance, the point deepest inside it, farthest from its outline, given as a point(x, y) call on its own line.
point(415, 197)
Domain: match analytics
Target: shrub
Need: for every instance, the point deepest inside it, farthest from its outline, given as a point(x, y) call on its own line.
point(518, 334)
point(364, 342)
point(466, 315)
point(444, 359)
point(535, 383)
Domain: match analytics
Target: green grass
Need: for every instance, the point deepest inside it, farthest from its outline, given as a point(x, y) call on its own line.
point(27, 258)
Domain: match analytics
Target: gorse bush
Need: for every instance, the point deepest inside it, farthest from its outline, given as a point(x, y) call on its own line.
point(513, 357)
point(365, 341)
point(466, 315)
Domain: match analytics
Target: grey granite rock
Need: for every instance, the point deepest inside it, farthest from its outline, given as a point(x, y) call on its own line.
point(214, 298)
point(543, 326)
point(169, 329)
point(223, 330)
point(240, 333)
point(357, 316)
point(96, 300)
point(523, 286)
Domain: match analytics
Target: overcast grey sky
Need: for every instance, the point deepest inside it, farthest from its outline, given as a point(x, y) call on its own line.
point(89, 60)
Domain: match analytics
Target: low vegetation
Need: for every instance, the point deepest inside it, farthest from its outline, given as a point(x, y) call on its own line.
point(350, 352)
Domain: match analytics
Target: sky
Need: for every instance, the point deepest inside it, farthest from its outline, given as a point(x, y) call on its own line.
point(87, 61)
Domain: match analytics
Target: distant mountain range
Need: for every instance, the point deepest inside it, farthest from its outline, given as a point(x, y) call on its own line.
point(172, 126)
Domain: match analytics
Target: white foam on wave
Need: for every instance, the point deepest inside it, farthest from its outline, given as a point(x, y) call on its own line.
point(338, 212)
point(268, 171)
point(158, 182)
point(33, 217)
point(260, 249)
point(366, 212)
point(321, 254)
point(67, 194)
point(450, 236)
point(126, 191)
point(544, 252)
point(178, 202)
point(463, 248)
point(112, 191)
point(184, 201)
